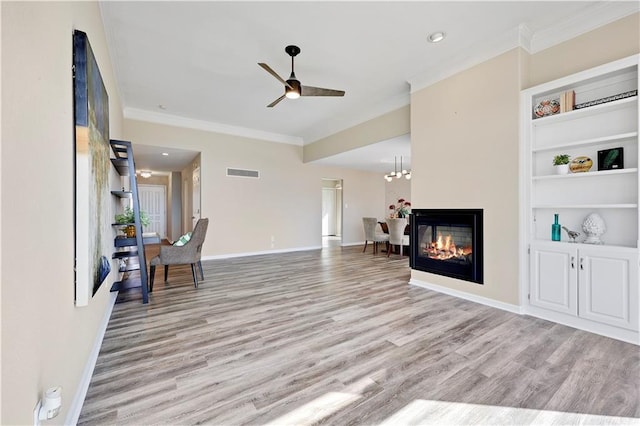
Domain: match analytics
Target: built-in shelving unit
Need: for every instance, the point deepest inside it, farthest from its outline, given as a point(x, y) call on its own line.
point(594, 287)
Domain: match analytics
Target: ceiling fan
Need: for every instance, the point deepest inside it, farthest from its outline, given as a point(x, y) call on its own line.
point(293, 89)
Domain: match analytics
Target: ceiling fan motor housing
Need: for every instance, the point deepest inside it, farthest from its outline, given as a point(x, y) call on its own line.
point(295, 90)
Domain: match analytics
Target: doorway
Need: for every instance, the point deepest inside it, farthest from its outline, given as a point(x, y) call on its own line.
point(331, 212)
point(196, 197)
point(153, 201)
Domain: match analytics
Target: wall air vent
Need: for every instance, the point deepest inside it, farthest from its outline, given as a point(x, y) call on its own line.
point(243, 173)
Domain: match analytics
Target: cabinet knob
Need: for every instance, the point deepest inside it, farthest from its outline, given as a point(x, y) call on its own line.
point(581, 265)
point(573, 264)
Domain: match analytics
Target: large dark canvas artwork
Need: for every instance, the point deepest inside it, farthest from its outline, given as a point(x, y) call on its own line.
point(92, 166)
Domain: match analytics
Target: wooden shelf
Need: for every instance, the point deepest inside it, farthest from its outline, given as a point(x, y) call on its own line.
point(579, 244)
point(125, 242)
point(585, 112)
point(126, 284)
point(124, 254)
point(121, 165)
point(587, 142)
point(585, 206)
point(122, 194)
point(588, 174)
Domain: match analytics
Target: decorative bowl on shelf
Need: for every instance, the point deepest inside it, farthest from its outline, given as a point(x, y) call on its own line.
point(580, 164)
point(546, 107)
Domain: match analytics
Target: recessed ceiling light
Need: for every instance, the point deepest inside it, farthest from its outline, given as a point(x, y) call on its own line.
point(436, 37)
point(165, 154)
point(145, 174)
point(162, 106)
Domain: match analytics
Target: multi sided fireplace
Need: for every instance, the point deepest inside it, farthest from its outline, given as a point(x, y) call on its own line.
point(447, 242)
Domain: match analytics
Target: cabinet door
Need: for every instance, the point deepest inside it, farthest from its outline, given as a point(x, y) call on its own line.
point(608, 286)
point(553, 280)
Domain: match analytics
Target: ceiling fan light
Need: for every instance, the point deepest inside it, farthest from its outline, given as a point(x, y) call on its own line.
point(293, 90)
point(292, 94)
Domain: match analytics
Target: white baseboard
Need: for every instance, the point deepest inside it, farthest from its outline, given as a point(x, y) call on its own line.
point(629, 336)
point(467, 296)
point(352, 244)
point(81, 392)
point(257, 253)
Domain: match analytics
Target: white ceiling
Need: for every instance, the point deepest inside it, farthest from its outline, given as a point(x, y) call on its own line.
point(153, 158)
point(199, 59)
point(382, 157)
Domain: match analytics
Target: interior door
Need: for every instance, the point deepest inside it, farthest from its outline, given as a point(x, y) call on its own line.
point(153, 201)
point(329, 222)
point(196, 196)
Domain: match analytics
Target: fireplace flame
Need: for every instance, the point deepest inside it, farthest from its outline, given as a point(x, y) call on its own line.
point(445, 248)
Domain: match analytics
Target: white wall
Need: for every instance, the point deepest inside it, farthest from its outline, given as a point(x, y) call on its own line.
point(284, 203)
point(46, 340)
point(395, 190)
point(464, 154)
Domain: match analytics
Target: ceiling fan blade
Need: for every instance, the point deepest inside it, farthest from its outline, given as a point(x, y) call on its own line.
point(319, 91)
point(268, 69)
point(274, 103)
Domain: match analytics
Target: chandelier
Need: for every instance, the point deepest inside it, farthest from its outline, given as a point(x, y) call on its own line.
point(397, 174)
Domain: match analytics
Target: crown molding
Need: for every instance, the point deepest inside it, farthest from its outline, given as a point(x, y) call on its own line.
point(189, 123)
point(596, 16)
point(524, 37)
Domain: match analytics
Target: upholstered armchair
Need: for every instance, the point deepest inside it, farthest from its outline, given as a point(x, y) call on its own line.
point(371, 233)
point(396, 233)
point(182, 255)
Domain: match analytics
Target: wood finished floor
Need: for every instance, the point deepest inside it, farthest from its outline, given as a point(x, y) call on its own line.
point(338, 337)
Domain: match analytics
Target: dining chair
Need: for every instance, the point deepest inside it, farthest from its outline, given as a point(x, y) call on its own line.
point(396, 233)
point(189, 253)
point(371, 233)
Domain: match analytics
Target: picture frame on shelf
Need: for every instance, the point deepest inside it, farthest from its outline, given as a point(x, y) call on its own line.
point(611, 159)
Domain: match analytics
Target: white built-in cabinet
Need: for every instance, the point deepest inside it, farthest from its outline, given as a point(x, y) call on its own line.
point(592, 287)
point(597, 284)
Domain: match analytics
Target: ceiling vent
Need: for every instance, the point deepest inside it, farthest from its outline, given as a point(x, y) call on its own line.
point(243, 173)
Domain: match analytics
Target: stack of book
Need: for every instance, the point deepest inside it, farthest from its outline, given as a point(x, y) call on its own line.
point(567, 101)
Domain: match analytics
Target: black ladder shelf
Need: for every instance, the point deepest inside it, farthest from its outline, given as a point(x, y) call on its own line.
point(129, 248)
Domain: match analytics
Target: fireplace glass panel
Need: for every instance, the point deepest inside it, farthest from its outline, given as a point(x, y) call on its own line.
point(448, 242)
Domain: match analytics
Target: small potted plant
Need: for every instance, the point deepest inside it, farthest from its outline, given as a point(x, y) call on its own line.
point(561, 162)
point(128, 219)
